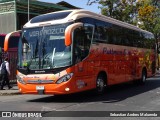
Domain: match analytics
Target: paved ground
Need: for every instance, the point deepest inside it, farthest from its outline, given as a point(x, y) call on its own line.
point(13, 91)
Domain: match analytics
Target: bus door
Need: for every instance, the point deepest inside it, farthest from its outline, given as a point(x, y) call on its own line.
point(82, 37)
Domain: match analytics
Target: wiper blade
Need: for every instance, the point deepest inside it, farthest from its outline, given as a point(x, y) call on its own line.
point(54, 50)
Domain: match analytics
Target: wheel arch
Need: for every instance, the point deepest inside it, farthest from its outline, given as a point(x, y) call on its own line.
point(104, 74)
point(145, 70)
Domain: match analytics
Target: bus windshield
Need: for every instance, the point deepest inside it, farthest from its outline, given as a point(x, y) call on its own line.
point(44, 48)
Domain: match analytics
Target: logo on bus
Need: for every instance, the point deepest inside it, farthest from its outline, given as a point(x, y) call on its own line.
point(80, 84)
point(116, 52)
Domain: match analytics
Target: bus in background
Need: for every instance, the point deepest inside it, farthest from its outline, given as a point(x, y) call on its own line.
point(2, 37)
point(77, 50)
point(11, 54)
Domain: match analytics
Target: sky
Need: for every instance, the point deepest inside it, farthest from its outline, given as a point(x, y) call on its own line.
point(78, 3)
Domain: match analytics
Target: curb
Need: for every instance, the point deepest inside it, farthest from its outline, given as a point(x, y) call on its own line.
point(7, 94)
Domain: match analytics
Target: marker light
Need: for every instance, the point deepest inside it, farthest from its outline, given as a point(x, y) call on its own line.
point(20, 89)
point(67, 89)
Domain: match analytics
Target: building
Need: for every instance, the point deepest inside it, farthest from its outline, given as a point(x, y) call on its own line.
point(14, 13)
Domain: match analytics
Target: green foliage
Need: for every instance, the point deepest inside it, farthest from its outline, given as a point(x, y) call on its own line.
point(124, 10)
point(149, 15)
point(144, 13)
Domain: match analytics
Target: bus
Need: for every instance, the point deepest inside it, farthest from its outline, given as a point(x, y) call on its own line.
point(72, 51)
point(11, 54)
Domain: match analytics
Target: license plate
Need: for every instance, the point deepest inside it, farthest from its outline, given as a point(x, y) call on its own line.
point(39, 87)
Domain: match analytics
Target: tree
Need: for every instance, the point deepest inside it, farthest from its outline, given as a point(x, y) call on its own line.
point(124, 10)
point(145, 12)
point(149, 16)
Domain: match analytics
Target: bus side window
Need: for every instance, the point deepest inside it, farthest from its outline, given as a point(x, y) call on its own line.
point(82, 41)
point(78, 43)
point(110, 35)
point(96, 35)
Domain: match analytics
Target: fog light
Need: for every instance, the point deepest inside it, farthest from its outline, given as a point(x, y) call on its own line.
point(20, 89)
point(67, 89)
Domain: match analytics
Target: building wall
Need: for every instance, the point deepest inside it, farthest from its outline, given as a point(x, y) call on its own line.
point(7, 17)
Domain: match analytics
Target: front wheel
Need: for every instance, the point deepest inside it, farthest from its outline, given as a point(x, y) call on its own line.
point(100, 84)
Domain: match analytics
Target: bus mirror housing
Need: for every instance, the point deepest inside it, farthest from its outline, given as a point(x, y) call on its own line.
point(8, 36)
point(68, 33)
point(68, 37)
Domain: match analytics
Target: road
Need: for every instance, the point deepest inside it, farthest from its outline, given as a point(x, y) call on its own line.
point(126, 97)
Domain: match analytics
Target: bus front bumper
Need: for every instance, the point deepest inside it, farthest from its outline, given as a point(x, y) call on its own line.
point(54, 89)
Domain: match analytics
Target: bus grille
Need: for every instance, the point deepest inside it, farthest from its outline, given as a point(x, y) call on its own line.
point(40, 81)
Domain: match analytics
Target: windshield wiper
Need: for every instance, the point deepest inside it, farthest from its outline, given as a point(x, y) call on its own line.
point(53, 56)
point(43, 50)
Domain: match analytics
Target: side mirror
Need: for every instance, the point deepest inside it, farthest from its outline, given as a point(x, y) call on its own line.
point(8, 36)
point(68, 33)
point(68, 37)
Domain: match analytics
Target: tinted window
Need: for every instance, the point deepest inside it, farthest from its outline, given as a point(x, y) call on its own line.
point(49, 17)
point(13, 42)
point(113, 34)
point(86, 20)
point(148, 40)
point(2, 41)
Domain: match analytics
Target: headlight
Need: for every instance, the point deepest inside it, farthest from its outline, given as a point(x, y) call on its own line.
point(19, 79)
point(64, 78)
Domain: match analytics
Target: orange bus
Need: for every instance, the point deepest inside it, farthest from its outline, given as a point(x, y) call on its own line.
point(77, 50)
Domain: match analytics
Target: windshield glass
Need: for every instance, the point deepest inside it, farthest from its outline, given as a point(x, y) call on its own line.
point(44, 48)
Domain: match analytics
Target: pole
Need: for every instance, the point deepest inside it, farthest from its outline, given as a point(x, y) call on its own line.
point(28, 10)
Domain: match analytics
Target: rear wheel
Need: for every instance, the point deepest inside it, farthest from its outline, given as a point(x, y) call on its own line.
point(100, 84)
point(144, 77)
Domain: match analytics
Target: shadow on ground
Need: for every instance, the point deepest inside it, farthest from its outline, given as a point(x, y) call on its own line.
point(112, 94)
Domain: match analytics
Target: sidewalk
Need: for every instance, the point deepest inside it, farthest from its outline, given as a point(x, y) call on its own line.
point(13, 91)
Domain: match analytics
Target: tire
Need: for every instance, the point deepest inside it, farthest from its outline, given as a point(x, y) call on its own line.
point(153, 67)
point(100, 84)
point(143, 78)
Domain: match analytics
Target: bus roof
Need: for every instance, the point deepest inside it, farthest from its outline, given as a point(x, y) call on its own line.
point(65, 16)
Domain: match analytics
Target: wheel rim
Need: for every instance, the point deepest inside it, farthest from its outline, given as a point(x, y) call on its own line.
point(144, 77)
point(100, 85)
